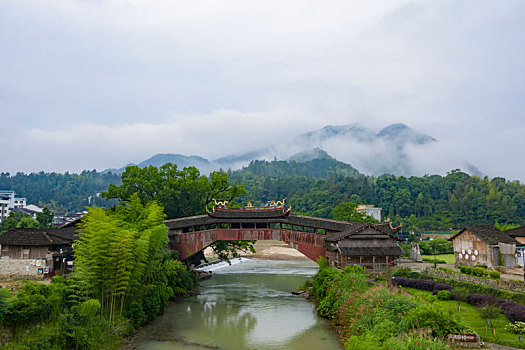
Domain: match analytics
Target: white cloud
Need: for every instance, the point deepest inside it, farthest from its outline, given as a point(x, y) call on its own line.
point(100, 146)
point(126, 79)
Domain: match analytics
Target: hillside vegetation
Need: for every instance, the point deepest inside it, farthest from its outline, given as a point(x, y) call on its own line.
point(428, 202)
point(316, 186)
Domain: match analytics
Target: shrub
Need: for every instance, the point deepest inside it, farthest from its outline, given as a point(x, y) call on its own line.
point(444, 295)
point(414, 341)
point(362, 342)
point(516, 327)
point(420, 284)
point(323, 280)
point(380, 278)
point(404, 272)
point(513, 311)
point(460, 294)
point(495, 275)
point(474, 271)
point(431, 316)
point(481, 289)
point(478, 300)
point(89, 308)
point(136, 314)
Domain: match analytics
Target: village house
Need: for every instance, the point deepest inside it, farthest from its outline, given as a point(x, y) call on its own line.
point(35, 251)
point(484, 245)
point(373, 246)
point(519, 235)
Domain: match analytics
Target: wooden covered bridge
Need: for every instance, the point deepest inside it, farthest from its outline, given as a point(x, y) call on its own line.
point(343, 243)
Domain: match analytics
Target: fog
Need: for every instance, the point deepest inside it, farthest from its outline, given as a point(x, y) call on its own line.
point(100, 84)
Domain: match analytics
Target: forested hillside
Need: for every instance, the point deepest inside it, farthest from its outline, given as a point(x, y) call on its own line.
point(63, 192)
point(315, 187)
point(428, 202)
point(323, 168)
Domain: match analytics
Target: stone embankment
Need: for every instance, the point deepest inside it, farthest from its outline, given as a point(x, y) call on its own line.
point(508, 285)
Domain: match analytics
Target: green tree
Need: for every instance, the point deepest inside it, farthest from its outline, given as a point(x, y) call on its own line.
point(182, 193)
point(490, 313)
point(346, 211)
point(27, 222)
point(45, 218)
point(11, 221)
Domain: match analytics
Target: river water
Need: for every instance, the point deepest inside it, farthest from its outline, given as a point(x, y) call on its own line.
point(247, 305)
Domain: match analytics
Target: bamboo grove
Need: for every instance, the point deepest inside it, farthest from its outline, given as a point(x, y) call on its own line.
point(121, 260)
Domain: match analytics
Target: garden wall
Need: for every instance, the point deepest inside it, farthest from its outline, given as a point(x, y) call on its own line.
point(511, 286)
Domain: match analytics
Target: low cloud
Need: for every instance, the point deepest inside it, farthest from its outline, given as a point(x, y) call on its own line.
point(99, 84)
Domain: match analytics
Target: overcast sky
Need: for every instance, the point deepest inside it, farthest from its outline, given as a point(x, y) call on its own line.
point(98, 84)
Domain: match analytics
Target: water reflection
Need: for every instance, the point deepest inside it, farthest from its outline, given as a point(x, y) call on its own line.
point(239, 309)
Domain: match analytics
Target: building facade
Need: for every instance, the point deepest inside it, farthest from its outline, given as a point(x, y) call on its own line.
point(519, 235)
point(484, 245)
point(8, 202)
point(34, 251)
point(374, 246)
point(370, 210)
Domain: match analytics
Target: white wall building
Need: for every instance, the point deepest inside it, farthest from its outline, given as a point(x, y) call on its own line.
point(8, 201)
point(20, 202)
point(370, 210)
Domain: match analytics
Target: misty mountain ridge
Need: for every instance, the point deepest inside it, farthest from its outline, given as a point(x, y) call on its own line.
point(390, 150)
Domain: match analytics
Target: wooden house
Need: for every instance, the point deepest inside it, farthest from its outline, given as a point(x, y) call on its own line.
point(519, 235)
point(373, 246)
point(28, 251)
point(484, 245)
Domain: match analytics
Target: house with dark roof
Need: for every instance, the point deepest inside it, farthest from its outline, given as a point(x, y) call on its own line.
point(32, 251)
point(374, 246)
point(484, 245)
point(519, 235)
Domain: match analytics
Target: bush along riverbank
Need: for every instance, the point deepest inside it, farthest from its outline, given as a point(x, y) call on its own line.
point(377, 315)
point(123, 278)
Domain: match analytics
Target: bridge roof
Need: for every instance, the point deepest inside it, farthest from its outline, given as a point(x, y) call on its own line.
point(249, 213)
point(290, 219)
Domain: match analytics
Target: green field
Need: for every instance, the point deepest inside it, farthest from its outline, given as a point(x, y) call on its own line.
point(449, 258)
point(470, 317)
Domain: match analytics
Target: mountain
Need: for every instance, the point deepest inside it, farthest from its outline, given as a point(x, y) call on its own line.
point(389, 150)
point(402, 133)
point(308, 155)
point(204, 165)
point(315, 163)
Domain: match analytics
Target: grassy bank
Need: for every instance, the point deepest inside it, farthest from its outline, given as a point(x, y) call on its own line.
point(448, 258)
point(371, 313)
point(376, 316)
point(470, 317)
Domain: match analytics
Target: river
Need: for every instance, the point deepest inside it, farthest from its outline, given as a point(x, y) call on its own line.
point(247, 305)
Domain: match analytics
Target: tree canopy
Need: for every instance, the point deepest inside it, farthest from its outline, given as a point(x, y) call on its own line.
point(182, 192)
point(346, 211)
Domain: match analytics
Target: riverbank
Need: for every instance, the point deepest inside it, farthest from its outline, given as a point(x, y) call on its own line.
point(267, 250)
point(371, 314)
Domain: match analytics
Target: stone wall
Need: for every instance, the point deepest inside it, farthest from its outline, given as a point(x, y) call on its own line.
point(19, 267)
point(511, 286)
